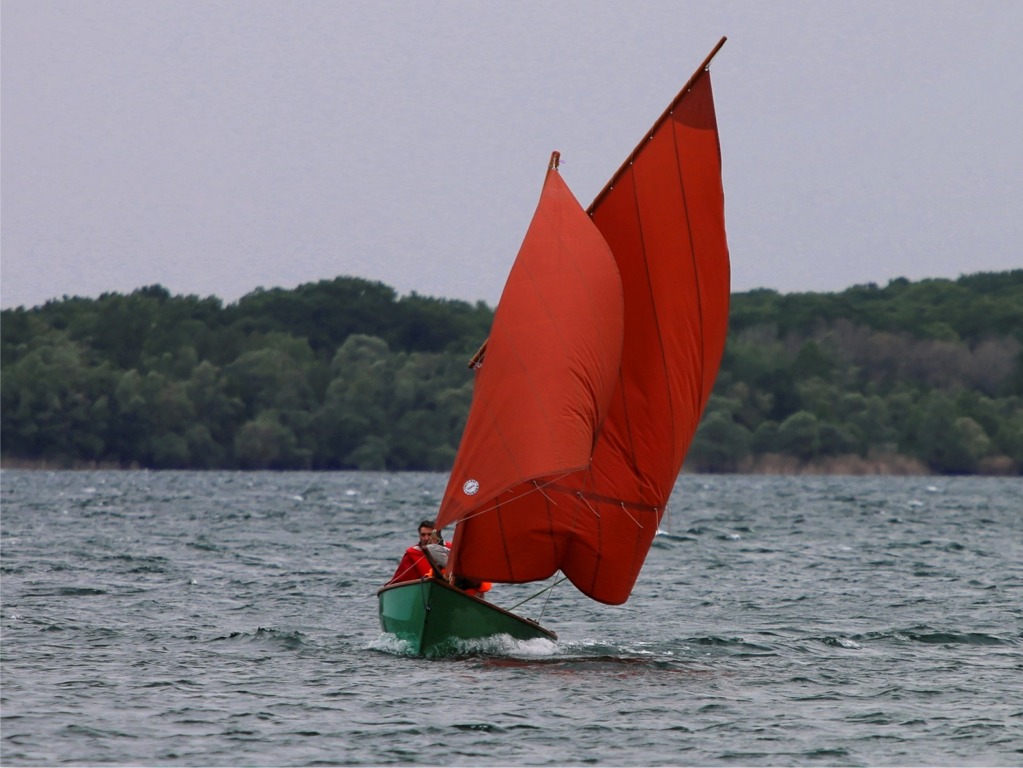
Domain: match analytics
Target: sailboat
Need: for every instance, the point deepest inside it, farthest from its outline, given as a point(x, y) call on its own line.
point(602, 355)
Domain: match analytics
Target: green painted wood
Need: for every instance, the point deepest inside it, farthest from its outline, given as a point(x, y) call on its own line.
point(432, 616)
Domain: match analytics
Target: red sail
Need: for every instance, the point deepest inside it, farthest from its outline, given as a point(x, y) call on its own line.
point(663, 217)
point(545, 380)
point(566, 487)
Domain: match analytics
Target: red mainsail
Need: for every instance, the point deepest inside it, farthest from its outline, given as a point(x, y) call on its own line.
point(603, 353)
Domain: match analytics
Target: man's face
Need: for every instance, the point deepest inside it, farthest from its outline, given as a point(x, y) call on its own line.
point(424, 536)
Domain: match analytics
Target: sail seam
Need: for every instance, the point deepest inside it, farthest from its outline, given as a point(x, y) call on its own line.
point(656, 314)
point(696, 274)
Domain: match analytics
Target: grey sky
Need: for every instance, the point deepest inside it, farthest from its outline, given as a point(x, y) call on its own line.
point(214, 147)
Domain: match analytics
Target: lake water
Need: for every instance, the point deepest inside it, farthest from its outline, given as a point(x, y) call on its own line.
point(230, 619)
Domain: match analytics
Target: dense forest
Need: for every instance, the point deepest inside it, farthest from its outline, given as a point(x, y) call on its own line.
point(911, 377)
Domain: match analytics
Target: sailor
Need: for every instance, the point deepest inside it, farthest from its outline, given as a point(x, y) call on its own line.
point(438, 549)
point(414, 563)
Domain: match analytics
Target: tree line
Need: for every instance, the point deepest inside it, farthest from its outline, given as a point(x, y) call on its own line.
point(914, 376)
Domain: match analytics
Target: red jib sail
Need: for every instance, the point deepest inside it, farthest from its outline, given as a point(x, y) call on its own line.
point(597, 368)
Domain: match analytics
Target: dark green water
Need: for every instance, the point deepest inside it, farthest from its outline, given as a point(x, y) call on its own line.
point(230, 619)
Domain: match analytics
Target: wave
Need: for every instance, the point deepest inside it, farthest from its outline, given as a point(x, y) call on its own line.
point(732, 644)
point(279, 638)
point(65, 592)
point(929, 635)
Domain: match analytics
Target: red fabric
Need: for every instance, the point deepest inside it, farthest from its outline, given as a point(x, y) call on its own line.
point(413, 565)
point(485, 586)
point(550, 363)
point(575, 439)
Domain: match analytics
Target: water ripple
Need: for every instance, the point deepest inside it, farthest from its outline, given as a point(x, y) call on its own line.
point(229, 618)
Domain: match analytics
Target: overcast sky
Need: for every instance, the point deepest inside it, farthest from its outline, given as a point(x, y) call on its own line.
point(216, 147)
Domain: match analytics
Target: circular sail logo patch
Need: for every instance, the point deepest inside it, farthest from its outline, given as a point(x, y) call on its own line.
point(470, 487)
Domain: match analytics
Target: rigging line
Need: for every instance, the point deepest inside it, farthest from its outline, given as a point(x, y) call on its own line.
point(601, 498)
point(536, 487)
point(588, 505)
point(548, 600)
point(620, 503)
point(422, 594)
point(639, 524)
point(536, 595)
point(541, 492)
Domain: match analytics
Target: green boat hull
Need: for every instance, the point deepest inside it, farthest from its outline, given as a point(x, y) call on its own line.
point(436, 619)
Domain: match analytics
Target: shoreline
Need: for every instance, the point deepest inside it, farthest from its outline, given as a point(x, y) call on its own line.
point(893, 465)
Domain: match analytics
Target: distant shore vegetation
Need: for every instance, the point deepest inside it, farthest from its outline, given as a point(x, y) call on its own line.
point(918, 377)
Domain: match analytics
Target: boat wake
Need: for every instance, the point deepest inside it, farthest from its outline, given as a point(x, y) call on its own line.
point(507, 646)
point(504, 646)
point(392, 644)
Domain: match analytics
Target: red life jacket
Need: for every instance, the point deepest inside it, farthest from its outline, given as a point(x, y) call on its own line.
point(413, 565)
point(484, 586)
